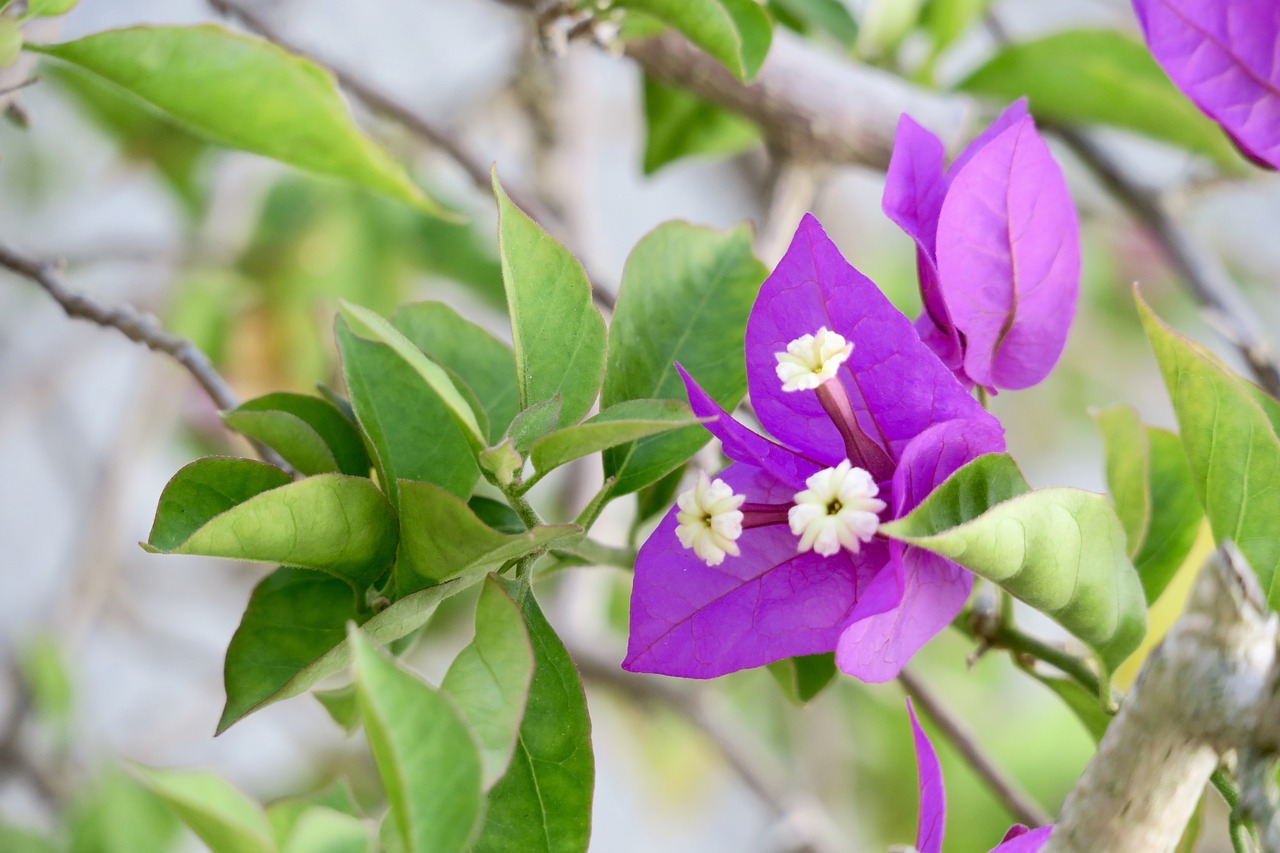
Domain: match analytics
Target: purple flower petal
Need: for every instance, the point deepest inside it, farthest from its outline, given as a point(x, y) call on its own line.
point(1012, 114)
point(897, 386)
point(742, 445)
point(698, 621)
point(930, 591)
point(1009, 259)
point(933, 798)
point(1019, 839)
point(936, 454)
point(1223, 55)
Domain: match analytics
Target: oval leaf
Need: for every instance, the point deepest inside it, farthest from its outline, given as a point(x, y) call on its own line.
point(735, 32)
point(223, 818)
point(618, 424)
point(303, 428)
point(245, 93)
point(204, 490)
point(679, 124)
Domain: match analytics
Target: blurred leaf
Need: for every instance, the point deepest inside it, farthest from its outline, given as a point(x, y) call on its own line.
point(222, 817)
point(47, 679)
point(11, 42)
point(1101, 77)
point(268, 660)
point(1083, 704)
point(620, 423)
point(680, 124)
point(426, 753)
point(803, 678)
point(543, 803)
point(885, 23)
point(331, 522)
point(829, 16)
point(285, 813)
point(462, 253)
point(1059, 550)
point(485, 363)
point(657, 498)
point(307, 427)
point(947, 20)
point(245, 93)
point(533, 423)
point(736, 32)
point(204, 308)
point(1230, 444)
point(118, 815)
point(341, 705)
point(489, 679)
point(443, 538)
point(49, 8)
point(685, 296)
point(16, 839)
point(321, 830)
point(413, 433)
point(559, 335)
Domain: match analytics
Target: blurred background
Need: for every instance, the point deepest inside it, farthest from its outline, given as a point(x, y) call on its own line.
point(111, 656)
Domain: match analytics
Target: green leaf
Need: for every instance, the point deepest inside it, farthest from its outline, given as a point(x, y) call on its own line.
point(489, 679)
point(947, 20)
point(1231, 446)
point(685, 296)
point(620, 423)
point(412, 432)
point(736, 32)
point(485, 363)
point(223, 818)
point(804, 677)
point(331, 522)
point(285, 813)
point(244, 93)
point(47, 680)
point(310, 433)
point(292, 635)
point(426, 754)
point(1083, 704)
point(1101, 77)
point(1154, 495)
point(321, 830)
point(680, 124)
point(11, 42)
point(206, 489)
point(117, 814)
point(829, 16)
point(443, 538)
point(884, 24)
point(543, 803)
point(559, 335)
point(341, 705)
point(1060, 550)
point(49, 8)
point(533, 423)
point(16, 839)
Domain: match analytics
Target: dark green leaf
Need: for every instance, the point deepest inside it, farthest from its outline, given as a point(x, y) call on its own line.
point(685, 296)
point(204, 490)
point(736, 32)
point(297, 425)
point(543, 803)
point(244, 93)
point(681, 125)
point(426, 754)
point(803, 678)
point(620, 423)
point(496, 514)
point(222, 817)
point(1060, 550)
point(1101, 77)
point(559, 335)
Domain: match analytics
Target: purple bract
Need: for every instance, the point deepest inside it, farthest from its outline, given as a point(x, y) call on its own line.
point(1225, 56)
point(778, 557)
point(997, 248)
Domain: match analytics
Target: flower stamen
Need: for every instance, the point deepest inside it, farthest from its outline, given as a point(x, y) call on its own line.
point(709, 519)
point(811, 360)
point(839, 508)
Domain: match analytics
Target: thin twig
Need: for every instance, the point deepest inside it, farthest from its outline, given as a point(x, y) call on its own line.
point(1019, 804)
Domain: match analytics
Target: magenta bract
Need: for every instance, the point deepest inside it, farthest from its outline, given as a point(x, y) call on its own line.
point(874, 608)
point(997, 245)
point(1222, 55)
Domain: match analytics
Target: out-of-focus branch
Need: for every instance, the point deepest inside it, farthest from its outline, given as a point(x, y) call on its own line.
point(1017, 801)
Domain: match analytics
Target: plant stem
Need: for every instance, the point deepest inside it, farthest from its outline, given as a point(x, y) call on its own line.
point(1238, 827)
point(1008, 637)
point(601, 554)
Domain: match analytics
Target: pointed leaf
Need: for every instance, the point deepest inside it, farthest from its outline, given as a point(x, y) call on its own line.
point(204, 490)
point(222, 817)
point(331, 522)
point(685, 296)
point(426, 753)
point(118, 814)
point(1060, 550)
point(735, 32)
point(1231, 446)
point(618, 424)
point(248, 94)
point(543, 803)
point(802, 678)
point(679, 124)
point(341, 705)
point(307, 431)
point(489, 679)
point(559, 335)
point(485, 363)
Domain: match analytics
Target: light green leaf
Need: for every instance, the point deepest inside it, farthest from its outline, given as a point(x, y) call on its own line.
point(117, 814)
point(285, 813)
point(533, 423)
point(426, 754)
point(946, 20)
point(489, 679)
point(443, 538)
point(685, 296)
point(17, 839)
point(1101, 77)
point(1083, 704)
point(802, 678)
point(321, 830)
point(49, 8)
point(620, 423)
point(292, 635)
point(341, 705)
point(543, 803)
point(222, 817)
point(1128, 464)
point(559, 335)
point(1060, 550)
point(830, 16)
point(680, 124)
point(204, 490)
point(884, 24)
point(736, 32)
point(289, 435)
point(413, 434)
point(46, 678)
point(1231, 446)
point(485, 363)
point(10, 42)
point(244, 93)
point(331, 522)
point(310, 433)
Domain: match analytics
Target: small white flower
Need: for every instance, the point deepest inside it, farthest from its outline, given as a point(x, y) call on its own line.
point(811, 360)
point(840, 507)
point(709, 519)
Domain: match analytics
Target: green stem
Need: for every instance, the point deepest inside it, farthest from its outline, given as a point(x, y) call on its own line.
point(1238, 826)
point(523, 508)
point(601, 554)
point(1010, 638)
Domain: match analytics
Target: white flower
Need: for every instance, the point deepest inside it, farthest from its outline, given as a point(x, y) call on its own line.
point(811, 360)
point(709, 519)
point(840, 507)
